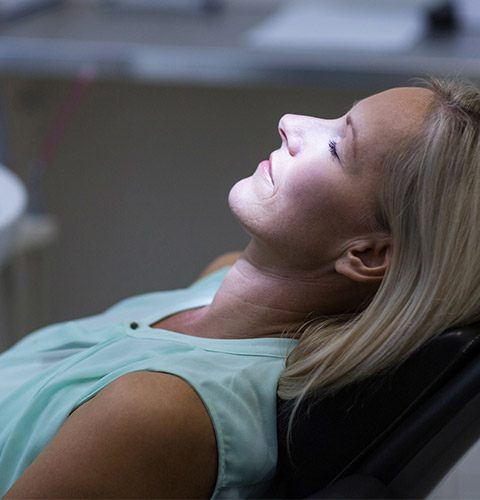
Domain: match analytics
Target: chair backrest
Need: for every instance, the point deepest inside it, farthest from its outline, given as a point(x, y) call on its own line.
point(405, 428)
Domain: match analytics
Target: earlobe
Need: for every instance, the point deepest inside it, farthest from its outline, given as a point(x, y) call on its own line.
point(365, 261)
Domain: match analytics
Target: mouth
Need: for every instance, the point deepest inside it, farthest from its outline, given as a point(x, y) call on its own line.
point(267, 169)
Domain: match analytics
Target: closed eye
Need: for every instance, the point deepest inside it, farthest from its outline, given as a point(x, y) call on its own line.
point(332, 146)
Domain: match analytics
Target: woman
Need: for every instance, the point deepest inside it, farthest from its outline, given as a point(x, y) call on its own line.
point(363, 240)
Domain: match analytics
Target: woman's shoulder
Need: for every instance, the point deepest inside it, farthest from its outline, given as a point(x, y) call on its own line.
point(163, 409)
point(146, 434)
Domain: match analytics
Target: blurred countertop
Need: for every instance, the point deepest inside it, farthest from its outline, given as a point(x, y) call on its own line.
point(211, 49)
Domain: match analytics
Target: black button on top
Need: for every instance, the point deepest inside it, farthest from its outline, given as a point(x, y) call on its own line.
point(134, 325)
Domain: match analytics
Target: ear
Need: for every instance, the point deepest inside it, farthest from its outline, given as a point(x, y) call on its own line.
point(366, 260)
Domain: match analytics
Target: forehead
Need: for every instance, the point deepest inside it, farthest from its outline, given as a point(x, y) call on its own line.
point(386, 118)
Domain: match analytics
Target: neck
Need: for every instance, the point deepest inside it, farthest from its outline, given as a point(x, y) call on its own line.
point(256, 301)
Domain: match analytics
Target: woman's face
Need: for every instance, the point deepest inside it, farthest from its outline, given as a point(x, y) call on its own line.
point(326, 175)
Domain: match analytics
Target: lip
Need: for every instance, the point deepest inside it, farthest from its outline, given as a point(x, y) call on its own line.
point(270, 168)
point(265, 168)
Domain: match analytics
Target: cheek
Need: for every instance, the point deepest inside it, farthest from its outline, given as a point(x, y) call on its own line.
point(323, 208)
point(316, 197)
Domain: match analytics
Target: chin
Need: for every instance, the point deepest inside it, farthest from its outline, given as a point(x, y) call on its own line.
point(241, 202)
point(237, 195)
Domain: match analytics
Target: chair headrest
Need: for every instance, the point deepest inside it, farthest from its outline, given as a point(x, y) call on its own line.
point(332, 435)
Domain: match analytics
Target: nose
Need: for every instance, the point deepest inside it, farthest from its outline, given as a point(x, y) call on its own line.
point(289, 132)
point(298, 131)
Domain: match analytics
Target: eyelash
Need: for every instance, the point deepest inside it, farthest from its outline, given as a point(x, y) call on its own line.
point(332, 146)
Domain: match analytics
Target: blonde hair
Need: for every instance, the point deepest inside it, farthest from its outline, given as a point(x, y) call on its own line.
point(430, 204)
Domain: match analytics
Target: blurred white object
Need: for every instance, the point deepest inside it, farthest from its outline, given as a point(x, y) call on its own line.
point(35, 232)
point(373, 25)
point(469, 11)
point(13, 202)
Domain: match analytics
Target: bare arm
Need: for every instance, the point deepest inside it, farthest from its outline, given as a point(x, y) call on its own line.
point(145, 435)
point(226, 259)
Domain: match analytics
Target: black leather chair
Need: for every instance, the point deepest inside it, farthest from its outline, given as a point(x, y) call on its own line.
point(391, 436)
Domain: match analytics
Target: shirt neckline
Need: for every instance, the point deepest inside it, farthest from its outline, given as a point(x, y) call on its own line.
point(181, 304)
point(270, 346)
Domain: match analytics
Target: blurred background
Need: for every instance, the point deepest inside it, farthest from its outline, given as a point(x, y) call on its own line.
point(128, 121)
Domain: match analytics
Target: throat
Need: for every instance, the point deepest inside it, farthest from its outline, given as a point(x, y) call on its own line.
point(181, 322)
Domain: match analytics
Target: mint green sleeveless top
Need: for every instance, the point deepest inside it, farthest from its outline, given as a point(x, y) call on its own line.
point(52, 371)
